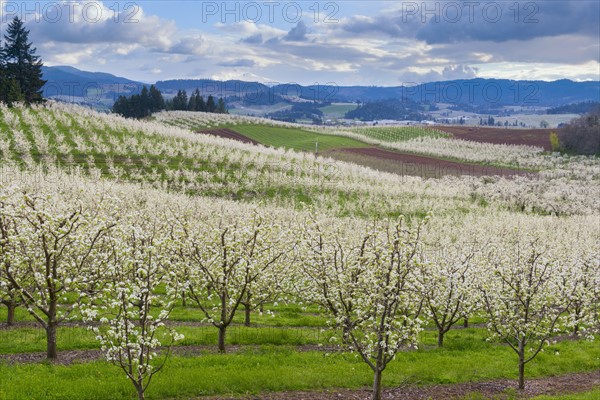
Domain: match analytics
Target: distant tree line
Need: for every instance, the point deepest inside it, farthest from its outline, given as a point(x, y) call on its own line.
point(582, 135)
point(301, 111)
point(575, 108)
point(396, 109)
point(140, 105)
point(490, 121)
point(151, 100)
point(196, 102)
point(20, 69)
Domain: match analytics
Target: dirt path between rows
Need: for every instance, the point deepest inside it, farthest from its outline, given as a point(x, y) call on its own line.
point(497, 390)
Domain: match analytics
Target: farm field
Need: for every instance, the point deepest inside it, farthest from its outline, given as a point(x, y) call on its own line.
point(529, 137)
point(392, 155)
point(295, 139)
point(271, 272)
point(337, 110)
point(410, 164)
point(228, 134)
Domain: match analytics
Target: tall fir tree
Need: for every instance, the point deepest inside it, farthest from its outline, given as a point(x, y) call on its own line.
point(156, 99)
point(20, 62)
point(221, 107)
point(10, 92)
point(144, 103)
point(210, 104)
point(200, 103)
point(192, 106)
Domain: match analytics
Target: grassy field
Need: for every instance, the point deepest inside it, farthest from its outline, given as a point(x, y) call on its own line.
point(269, 364)
point(337, 110)
point(295, 139)
point(278, 353)
point(288, 350)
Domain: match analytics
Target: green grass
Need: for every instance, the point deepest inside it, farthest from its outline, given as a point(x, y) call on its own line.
point(33, 339)
point(337, 110)
point(263, 369)
point(398, 133)
point(294, 138)
point(593, 395)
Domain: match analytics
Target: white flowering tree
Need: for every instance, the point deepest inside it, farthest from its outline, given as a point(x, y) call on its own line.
point(522, 294)
point(324, 257)
point(260, 293)
point(582, 270)
point(373, 293)
point(446, 275)
point(226, 258)
point(129, 316)
point(9, 296)
point(53, 251)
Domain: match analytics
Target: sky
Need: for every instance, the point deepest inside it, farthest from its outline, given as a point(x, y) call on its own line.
point(380, 43)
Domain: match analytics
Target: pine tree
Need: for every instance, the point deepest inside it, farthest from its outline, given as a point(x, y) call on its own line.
point(192, 106)
point(195, 101)
point(200, 103)
point(180, 101)
point(121, 106)
point(221, 108)
point(10, 92)
point(211, 107)
point(21, 63)
point(144, 100)
point(157, 102)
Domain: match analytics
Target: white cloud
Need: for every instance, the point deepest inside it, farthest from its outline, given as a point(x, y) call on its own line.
point(380, 48)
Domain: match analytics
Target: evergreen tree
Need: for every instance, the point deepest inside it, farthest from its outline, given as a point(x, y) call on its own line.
point(20, 62)
point(157, 102)
point(211, 107)
point(121, 106)
point(192, 103)
point(10, 92)
point(221, 108)
point(140, 105)
point(200, 103)
point(144, 103)
point(180, 101)
point(195, 101)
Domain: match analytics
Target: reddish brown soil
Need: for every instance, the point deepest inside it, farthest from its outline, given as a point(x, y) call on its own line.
point(429, 167)
point(530, 137)
point(228, 134)
point(572, 383)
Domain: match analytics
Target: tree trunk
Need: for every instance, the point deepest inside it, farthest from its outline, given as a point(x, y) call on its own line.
point(521, 374)
point(140, 390)
point(183, 301)
point(521, 366)
point(222, 332)
point(51, 353)
point(377, 385)
point(466, 322)
point(10, 318)
point(346, 333)
point(440, 338)
point(247, 314)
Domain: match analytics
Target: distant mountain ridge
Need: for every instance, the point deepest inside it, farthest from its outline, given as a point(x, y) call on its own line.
point(103, 88)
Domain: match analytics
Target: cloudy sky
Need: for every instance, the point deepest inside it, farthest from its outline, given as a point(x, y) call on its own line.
point(384, 43)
